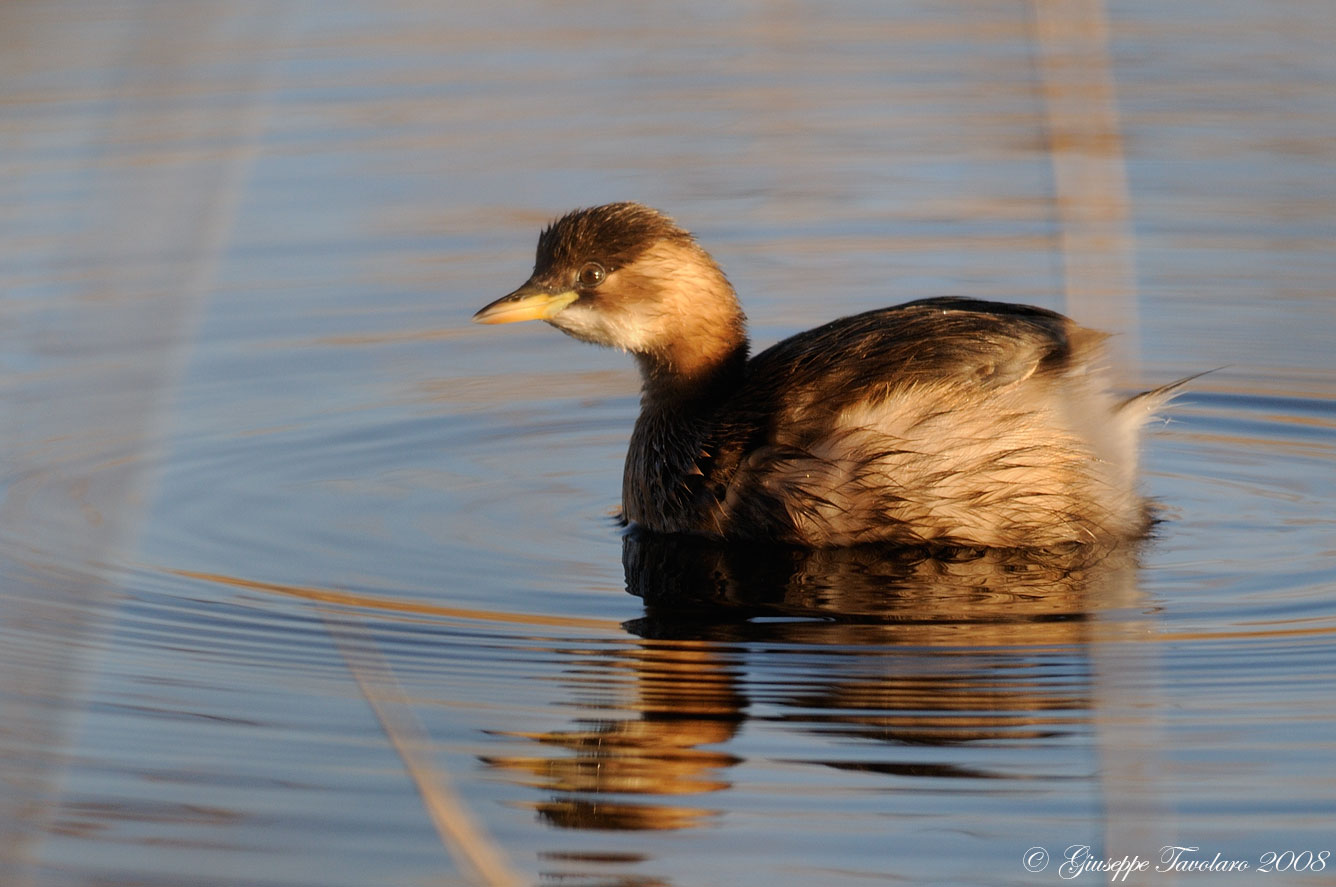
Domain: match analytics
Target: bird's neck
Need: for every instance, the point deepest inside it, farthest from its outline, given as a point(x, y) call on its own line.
point(690, 333)
point(693, 373)
point(673, 439)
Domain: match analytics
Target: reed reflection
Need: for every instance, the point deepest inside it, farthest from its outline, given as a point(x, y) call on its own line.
point(898, 649)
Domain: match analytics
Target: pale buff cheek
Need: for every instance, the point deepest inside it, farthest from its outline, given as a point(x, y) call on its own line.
point(684, 283)
point(666, 303)
point(615, 329)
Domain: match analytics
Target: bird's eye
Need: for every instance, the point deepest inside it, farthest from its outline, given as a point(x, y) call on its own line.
point(591, 275)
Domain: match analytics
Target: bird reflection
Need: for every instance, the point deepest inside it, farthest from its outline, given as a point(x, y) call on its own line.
point(897, 649)
point(682, 697)
point(694, 588)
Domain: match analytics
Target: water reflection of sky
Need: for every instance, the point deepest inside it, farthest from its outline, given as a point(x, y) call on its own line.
point(292, 556)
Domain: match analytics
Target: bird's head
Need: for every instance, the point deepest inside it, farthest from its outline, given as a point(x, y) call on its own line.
point(626, 276)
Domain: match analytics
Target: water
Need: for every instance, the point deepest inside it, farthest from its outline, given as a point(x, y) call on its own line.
point(306, 581)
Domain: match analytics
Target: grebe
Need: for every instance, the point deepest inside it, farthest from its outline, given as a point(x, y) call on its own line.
point(945, 421)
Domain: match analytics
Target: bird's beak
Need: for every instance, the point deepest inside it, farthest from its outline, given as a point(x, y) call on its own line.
point(529, 302)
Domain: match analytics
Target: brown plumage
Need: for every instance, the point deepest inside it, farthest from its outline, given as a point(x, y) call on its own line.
point(941, 421)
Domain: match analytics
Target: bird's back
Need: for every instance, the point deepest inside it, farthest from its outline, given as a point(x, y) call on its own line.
point(940, 421)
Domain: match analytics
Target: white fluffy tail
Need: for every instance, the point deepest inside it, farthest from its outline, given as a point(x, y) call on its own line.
point(1139, 408)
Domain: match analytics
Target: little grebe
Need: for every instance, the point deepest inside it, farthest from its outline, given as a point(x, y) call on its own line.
point(942, 421)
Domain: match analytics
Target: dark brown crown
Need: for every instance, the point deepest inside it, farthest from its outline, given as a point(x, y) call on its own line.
point(614, 235)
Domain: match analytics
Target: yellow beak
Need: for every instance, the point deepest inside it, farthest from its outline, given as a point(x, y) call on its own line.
point(529, 302)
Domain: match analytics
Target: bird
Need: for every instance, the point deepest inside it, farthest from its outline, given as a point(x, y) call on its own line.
point(941, 422)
